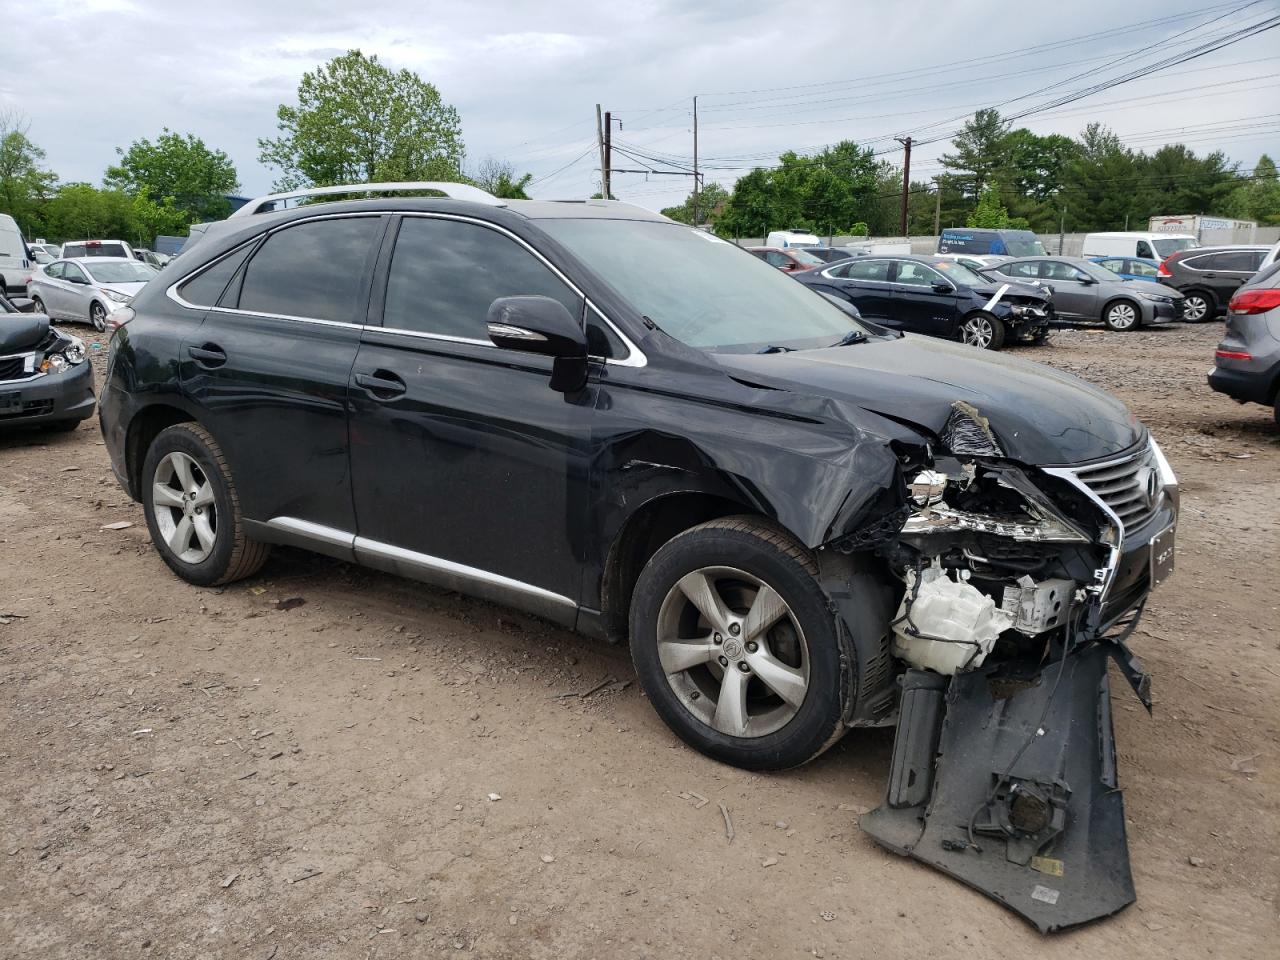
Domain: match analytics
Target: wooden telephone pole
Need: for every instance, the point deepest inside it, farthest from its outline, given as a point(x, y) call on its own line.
point(906, 178)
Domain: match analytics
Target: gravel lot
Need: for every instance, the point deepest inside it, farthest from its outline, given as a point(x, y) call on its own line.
point(385, 770)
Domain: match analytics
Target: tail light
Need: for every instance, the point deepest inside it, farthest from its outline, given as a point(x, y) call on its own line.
point(118, 318)
point(1163, 270)
point(1247, 302)
point(1232, 355)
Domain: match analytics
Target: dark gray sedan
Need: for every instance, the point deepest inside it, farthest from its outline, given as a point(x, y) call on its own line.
point(1083, 290)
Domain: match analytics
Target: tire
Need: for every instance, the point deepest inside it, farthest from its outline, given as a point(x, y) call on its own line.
point(983, 331)
point(215, 549)
point(38, 306)
point(1199, 306)
point(1122, 316)
point(802, 650)
point(98, 316)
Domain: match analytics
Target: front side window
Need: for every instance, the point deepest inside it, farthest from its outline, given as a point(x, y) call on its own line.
point(445, 274)
point(1027, 269)
point(1053, 270)
point(1165, 246)
point(776, 259)
point(315, 270)
point(55, 270)
point(73, 273)
point(1144, 250)
point(916, 274)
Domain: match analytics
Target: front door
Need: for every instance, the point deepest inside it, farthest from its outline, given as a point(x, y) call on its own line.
point(1074, 294)
point(74, 292)
point(270, 366)
point(468, 469)
point(919, 307)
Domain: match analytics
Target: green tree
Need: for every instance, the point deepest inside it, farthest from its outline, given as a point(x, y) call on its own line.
point(80, 211)
point(499, 178)
point(990, 213)
point(24, 184)
point(711, 199)
point(357, 121)
point(1258, 197)
point(180, 169)
point(979, 152)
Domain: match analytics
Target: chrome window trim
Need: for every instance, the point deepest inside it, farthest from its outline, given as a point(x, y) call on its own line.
point(635, 356)
point(332, 536)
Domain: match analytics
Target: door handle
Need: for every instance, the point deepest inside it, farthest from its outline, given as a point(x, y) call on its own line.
point(208, 355)
point(381, 384)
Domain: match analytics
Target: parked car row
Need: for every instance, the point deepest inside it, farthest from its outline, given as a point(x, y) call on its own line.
point(87, 288)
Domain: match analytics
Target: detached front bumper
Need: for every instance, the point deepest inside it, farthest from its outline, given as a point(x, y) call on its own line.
point(51, 398)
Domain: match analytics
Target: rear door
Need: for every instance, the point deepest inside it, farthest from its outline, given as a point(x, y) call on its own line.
point(917, 306)
point(468, 468)
point(1226, 272)
point(271, 362)
point(865, 282)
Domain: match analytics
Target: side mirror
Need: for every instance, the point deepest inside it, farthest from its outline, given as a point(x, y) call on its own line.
point(1087, 280)
point(542, 325)
point(941, 286)
point(24, 304)
point(80, 280)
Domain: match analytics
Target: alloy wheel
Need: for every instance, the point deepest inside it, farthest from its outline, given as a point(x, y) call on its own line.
point(98, 317)
point(1194, 308)
point(733, 652)
point(183, 501)
point(978, 332)
point(1122, 316)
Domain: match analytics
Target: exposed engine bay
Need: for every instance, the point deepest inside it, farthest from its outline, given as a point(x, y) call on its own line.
point(1011, 608)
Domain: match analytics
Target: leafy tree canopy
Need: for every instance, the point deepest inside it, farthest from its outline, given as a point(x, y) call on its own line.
point(179, 169)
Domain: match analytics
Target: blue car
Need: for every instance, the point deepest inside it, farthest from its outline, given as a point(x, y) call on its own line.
point(1131, 268)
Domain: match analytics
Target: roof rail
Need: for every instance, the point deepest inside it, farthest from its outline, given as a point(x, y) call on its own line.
point(455, 191)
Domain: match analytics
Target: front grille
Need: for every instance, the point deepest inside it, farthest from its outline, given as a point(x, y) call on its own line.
point(1126, 486)
point(13, 368)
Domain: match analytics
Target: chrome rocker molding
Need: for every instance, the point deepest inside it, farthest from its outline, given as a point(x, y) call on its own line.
point(416, 566)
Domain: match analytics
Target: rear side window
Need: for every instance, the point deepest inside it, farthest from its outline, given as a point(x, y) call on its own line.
point(317, 270)
point(205, 289)
point(873, 270)
point(445, 274)
point(1029, 269)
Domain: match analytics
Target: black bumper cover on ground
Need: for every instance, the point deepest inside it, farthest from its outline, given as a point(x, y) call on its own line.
point(975, 769)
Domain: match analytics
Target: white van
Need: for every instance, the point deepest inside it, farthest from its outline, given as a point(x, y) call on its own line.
point(15, 261)
point(1149, 246)
point(791, 238)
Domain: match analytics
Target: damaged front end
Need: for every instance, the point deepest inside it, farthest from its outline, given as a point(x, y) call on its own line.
point(1019, 584)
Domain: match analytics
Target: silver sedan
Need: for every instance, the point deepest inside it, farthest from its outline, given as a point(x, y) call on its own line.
point(87, 288)
point(1083, 290)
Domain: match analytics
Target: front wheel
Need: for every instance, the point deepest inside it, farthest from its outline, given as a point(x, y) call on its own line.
point(1121, 316)
point(98, 316)
point(193, 510)
point(983, 331)
point(736, 648)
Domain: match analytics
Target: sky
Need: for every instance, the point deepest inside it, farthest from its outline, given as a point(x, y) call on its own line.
point(95, 75)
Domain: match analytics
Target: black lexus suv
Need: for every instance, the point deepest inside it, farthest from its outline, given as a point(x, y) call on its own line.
point(801, 522)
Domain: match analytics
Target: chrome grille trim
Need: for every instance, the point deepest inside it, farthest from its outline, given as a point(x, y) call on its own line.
point(1124, 485)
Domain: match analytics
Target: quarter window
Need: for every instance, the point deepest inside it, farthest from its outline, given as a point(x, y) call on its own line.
point(445, 274)
point(318, 270)
point(205, 289)
point(1029, 269)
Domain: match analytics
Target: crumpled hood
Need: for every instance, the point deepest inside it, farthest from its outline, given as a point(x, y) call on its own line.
point(1016, 289)
point(1040, 415)
point(22, 331)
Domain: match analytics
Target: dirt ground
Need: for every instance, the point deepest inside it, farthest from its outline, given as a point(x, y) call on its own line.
point(386, 770)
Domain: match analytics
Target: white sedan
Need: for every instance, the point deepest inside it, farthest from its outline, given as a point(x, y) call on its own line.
point(87, 288)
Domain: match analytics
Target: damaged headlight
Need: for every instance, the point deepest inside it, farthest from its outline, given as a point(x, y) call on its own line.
point(65, 357)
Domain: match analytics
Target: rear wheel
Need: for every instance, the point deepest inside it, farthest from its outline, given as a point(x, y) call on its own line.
point(983, 331)
point(193, 510)
point(1121, 316)
point(1198, 306)
point(98, 316)
point(736, 648)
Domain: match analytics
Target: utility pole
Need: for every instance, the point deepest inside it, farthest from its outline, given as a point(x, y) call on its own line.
point(937, 206)
point(608, 155)
point(906, 178)
point(604, 164)
point(695, 162)
point(1062, 230)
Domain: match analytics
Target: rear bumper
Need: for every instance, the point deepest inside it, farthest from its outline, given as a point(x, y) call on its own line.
point(53, 398)
point(1247, 386)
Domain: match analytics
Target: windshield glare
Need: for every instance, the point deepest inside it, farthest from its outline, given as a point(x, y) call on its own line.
point(804, 256)
point(699, 289)
point(1173, 245)
point(961, 273)
point(126, 271)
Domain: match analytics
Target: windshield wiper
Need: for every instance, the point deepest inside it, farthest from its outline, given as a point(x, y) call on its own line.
point(771, 348)
point(853, 336)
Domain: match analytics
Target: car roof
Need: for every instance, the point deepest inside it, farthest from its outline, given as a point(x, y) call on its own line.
point(1226, 247)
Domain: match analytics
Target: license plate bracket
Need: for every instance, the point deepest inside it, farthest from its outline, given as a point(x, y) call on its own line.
point(1162, 553)
point(10, 401)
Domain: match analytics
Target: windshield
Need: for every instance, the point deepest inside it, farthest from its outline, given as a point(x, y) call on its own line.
point(702, 290)
point(1166, 246)
point(1026, 248)
point(1099, 272)
point(961, 273)
point(126, 271)
point(804, 256)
